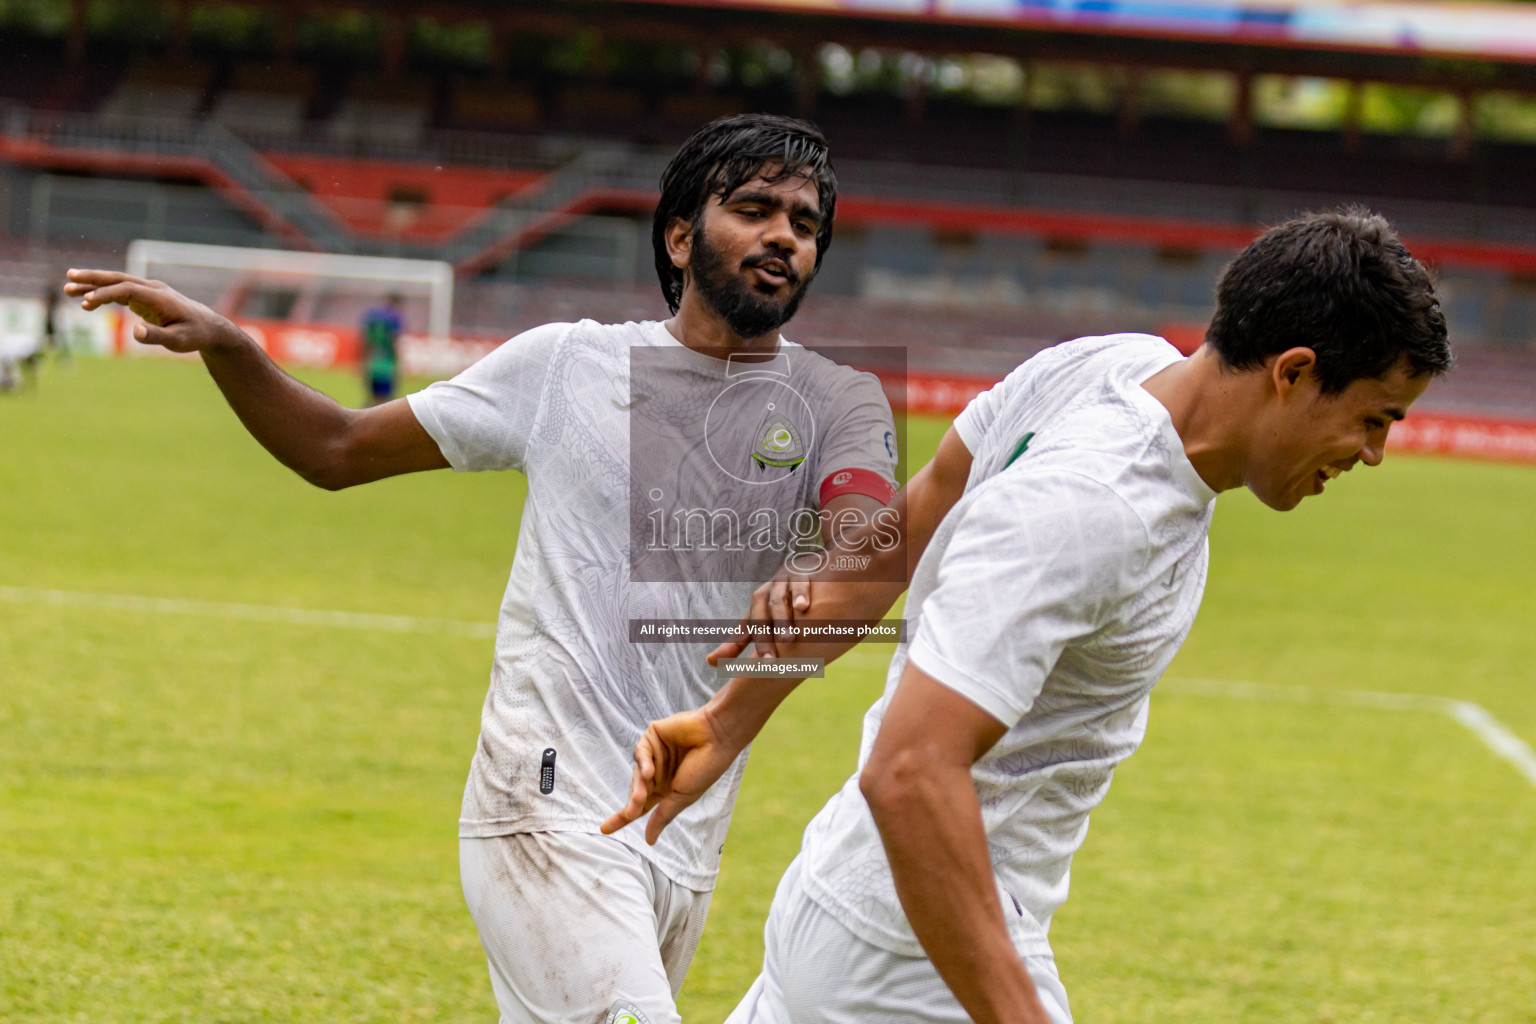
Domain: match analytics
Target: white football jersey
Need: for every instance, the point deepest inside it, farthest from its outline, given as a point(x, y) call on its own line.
point(647, 462)
point(1052, 596)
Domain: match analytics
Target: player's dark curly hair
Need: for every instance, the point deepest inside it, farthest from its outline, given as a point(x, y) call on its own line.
point(724, 155)
point(1340, 283)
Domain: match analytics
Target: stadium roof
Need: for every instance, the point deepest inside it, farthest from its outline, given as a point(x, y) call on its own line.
point(1482, 31)
point(1446, 44)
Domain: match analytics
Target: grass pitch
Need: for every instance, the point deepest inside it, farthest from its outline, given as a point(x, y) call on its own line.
point(218, 820)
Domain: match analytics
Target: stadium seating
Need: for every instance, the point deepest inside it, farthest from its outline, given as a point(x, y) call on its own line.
point(683, 112)
point(599, 110)
point(382, 112)
point(479, 106)
point(160, 89)
point(981, 223)
point(266, 100)
point(67, 210)
point(1489, 380)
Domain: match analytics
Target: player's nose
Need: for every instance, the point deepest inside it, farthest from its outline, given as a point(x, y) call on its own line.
point(779, 233)
point(1375, 448)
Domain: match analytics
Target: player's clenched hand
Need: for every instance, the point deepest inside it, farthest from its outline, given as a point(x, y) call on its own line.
point(776, 602)
point(170, 318)
point(676, 760)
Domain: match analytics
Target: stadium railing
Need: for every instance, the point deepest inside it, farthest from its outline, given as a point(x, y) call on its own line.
point(586, 171)
point(1118, 277)
point(244, 175)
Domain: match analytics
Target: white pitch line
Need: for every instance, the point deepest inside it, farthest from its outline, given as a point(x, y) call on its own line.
point(1495, 735)
point(244, 612)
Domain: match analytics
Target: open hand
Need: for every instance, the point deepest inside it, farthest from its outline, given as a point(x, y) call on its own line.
point(676, 761)
point(171, 320)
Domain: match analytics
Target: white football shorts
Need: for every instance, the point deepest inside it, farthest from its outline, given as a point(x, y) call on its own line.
point(579, 929)
point(816, 971)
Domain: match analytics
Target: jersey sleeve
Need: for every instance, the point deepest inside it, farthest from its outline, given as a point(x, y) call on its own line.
point(1036, 561)
point(858, 450)
point(982, 411)
point(482, 418)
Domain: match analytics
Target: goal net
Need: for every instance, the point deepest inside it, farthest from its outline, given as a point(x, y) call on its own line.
point(303, 307)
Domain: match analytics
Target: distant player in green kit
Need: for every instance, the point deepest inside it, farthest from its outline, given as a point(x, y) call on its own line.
point(381, 332)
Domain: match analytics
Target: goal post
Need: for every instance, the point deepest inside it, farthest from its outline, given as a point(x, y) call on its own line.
point(305, 288)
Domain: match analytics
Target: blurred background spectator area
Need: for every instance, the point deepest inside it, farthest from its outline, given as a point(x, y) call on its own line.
point(1011, 175)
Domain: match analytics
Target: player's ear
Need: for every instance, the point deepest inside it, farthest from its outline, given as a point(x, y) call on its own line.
point(1291, 369)
point(679, 238)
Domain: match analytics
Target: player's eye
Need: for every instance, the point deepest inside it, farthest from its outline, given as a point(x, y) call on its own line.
point(1375, 424)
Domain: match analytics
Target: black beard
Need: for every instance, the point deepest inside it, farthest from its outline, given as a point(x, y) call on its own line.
point(745, 310)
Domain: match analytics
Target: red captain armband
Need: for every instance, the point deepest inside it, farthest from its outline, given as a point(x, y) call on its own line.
point(857, 481)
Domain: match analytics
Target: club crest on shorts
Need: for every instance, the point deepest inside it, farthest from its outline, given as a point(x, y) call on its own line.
point(622, 1012)
point(778, 444)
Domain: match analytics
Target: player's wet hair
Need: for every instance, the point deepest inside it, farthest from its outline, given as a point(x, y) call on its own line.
point(1340, 283)
point(724, 155)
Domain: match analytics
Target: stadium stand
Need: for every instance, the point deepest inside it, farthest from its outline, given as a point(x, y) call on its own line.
point(478, 106)
point(381, 111)
point(596, 110)
point(424, 203)
point(74, 208)
point(159, 90)
point(265, 100)
point(679, 113)
point(1094, 196)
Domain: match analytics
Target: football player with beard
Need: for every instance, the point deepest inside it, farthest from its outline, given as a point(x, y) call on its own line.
point(671, 467)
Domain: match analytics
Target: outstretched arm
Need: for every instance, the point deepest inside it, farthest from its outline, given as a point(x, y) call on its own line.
point(326, 443)
point(919, 788)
